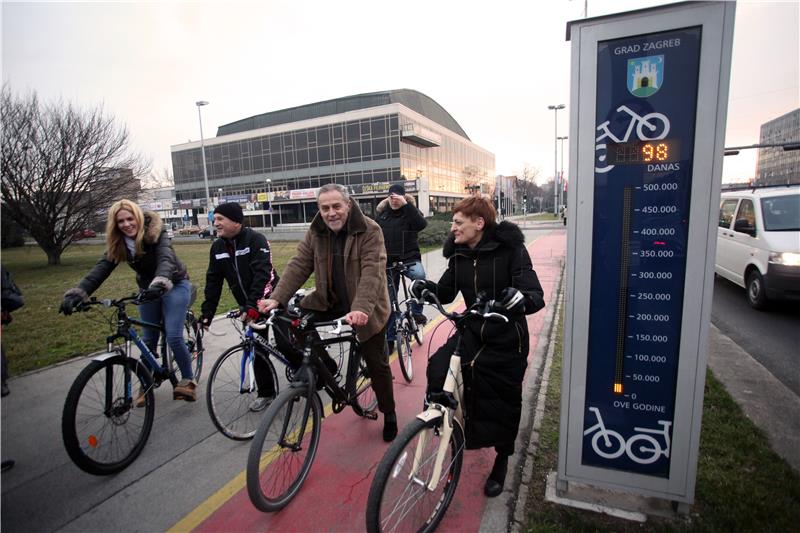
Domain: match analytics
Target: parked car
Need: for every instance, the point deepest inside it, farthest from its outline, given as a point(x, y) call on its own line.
point(189, 230)
point(758, 242)
point(84, 234)
point(208, 231)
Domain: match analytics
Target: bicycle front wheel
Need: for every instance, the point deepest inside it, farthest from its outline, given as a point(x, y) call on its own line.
point(403, 496)
point(194, 342)
point(232, 389)
point(283, 449)
point(403, 342)
point(103, 431)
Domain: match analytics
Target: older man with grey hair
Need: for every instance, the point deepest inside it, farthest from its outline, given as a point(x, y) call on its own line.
point(345, 251)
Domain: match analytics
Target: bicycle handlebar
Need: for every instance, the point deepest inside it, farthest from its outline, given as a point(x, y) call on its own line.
point(473, 310)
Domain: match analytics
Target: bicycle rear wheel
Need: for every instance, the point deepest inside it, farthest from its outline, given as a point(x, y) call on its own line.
point(365, 396)
point(399, 498)
point(103, 432)
point(403, 343)
point(283, 448)
point(194, 342)
point(230, 391)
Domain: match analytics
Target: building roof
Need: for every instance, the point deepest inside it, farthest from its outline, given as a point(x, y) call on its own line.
point(413, 100)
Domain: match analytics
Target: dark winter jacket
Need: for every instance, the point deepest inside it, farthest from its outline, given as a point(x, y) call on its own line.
point(246, 263)
point(158, 259)
point(494, 354)
point(400, 228)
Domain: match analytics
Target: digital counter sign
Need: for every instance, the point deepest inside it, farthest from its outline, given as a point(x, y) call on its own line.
point(644, 152)
point(646, 101)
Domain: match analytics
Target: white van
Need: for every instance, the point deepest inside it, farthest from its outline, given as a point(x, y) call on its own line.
point(758, 242)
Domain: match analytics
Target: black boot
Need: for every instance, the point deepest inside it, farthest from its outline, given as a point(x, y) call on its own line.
point(494, 485)
point(389, 426)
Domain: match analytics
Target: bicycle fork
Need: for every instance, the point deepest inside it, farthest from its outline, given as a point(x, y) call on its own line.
point(445, 431)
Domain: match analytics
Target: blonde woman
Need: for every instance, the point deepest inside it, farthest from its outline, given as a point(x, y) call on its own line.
point(140, 239)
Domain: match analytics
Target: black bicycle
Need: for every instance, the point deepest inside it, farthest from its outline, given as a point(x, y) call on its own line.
point(103, 429)
point(405, 326)
point(287, 439)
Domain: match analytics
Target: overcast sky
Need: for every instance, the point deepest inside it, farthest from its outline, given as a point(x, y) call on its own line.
point(495, 66)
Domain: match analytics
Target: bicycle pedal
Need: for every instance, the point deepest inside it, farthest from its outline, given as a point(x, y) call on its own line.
point(372, 415)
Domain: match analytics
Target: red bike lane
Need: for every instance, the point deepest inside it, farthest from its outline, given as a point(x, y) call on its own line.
point(334, 496)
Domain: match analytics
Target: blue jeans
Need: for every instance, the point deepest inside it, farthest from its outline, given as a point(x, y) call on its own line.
point(415, 271)
point(171, 308)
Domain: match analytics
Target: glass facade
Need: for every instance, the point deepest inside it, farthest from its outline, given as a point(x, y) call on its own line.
point(357, 153)
point(776, 166)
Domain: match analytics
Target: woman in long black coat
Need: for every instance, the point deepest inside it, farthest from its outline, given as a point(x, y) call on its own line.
point(489, 258)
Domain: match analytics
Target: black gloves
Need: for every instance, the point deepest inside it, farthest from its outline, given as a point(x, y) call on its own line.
point(151, 294)
point(509, 302)
point(418, 286)
point(205, 322)
point(72, 299)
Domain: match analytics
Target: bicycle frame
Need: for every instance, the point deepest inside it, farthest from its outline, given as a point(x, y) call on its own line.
point(250, 339)
point(312, 368)
point(126, 331)
point(401, 269)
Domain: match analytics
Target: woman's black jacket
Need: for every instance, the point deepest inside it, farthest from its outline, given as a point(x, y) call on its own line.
point(494, 354)
point(157, 260)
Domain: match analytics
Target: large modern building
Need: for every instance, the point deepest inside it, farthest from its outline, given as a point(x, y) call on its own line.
point(366, 142)
point(775, 165)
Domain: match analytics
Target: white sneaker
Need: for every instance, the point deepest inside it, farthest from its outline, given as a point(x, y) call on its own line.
point(260, 403)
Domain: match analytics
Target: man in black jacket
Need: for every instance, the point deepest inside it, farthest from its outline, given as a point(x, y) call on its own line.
point(243, 258)
point(401, 221)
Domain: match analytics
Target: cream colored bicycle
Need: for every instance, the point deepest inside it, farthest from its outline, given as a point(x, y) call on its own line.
point(417, 477)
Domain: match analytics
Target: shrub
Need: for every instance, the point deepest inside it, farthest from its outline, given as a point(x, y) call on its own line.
point(435, 233)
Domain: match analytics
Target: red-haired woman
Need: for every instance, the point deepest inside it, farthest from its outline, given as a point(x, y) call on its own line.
point(490, 259)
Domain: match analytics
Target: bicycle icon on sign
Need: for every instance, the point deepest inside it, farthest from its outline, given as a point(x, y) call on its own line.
point(650, 127)
point(641, 447)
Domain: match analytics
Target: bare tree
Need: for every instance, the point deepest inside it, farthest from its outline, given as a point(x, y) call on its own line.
point(62, 167)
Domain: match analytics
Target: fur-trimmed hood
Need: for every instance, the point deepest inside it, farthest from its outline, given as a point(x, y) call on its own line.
point(153, 226)
point(384, 204)
point(503, 234)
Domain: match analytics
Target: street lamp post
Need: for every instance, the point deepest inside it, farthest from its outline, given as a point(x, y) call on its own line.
point(199, 104)
point(561, 173)
point(555, 109)
point(269, 199)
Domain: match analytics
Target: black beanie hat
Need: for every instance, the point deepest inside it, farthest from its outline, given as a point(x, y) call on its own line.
point(231, 210)
point(397, 189)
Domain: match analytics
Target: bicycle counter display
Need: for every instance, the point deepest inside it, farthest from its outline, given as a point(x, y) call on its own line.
point(643, 168)
point(647, 117)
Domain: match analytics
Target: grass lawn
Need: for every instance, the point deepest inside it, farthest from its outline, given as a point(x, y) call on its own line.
point(742, 485)
point(39, 336)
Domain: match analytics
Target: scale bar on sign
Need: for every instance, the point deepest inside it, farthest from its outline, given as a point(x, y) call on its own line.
point(624, 275)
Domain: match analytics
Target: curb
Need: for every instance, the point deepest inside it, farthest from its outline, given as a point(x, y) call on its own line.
point(507, 512)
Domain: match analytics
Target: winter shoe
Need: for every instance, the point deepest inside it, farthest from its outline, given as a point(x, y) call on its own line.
point(389, 426)
point(494, 485)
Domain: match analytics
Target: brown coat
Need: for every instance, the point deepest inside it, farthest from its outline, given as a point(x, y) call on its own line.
point(365, 270)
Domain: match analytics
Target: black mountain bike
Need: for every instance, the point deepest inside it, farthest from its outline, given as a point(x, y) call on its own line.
point(102, 428)
point(405, 326)
point(287, 439)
